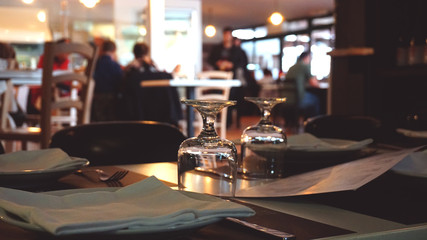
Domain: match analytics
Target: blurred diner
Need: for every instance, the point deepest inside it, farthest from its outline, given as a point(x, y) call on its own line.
point(108, 76)
point(226, 56)
point(300, 75)
point(7, 57)
point(154, 104)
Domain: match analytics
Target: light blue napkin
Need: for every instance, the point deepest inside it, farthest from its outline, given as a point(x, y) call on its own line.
point(37, 160)
point(143, 205)
point(309, 142)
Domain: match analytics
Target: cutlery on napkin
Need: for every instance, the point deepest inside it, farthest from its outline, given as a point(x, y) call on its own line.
point(143, 205)
point(36, 160)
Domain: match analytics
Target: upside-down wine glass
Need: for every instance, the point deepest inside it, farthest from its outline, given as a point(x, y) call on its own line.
point(207, 163)
point(263, 144)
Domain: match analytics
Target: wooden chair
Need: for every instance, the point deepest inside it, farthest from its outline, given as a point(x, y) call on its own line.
point(50, 104)
point(214, 93)
point(5, 96)
point(121, 142)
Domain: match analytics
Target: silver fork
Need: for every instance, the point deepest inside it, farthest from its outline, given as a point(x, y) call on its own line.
point(105, 177)
point(117, 176)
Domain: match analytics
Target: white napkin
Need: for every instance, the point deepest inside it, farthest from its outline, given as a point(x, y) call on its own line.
point(143, 205)
point(36, 160)
point(412, 133)
point(308, 142)
point(415, 164)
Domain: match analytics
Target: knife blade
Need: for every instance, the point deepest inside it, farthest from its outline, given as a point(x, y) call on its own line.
point(270, 231)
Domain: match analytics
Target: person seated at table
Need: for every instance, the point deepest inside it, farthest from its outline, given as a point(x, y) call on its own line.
point(300, 75)
point(154, 103)
point(108, 76)
point(7, 57)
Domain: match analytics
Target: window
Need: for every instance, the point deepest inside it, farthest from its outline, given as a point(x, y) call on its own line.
point(293, 46)
point(299, 35)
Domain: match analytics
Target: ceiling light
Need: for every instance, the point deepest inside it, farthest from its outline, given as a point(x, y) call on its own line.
point(27, 1)
point(41, 16)
point(276, 18)
point(142, 31)
point(89, 3)
point(210, 31)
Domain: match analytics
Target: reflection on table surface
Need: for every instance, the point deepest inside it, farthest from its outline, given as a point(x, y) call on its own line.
point(391, 201)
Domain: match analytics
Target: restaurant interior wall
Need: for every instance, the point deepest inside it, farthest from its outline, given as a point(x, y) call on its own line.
point(378, 84)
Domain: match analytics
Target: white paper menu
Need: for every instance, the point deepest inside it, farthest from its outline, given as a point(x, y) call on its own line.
point(346, 176)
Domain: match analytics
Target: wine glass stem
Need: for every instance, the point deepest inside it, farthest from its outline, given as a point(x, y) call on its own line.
point(265, 118)
point(208, 129)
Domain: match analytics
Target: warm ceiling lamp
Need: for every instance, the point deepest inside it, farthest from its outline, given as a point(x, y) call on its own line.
point(41, 16)
point(276, 18)
point(210, 30)
point(27, 1)
point(89, 3)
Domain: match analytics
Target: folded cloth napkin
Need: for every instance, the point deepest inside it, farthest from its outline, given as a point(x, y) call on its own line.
point(53, 158)
point(308, 142)
point(412, 133)
point(415, 164)
point(144, 205)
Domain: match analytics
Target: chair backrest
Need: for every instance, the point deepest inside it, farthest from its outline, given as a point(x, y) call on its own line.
point(6, 93)
point(290, 92)
point(51, 79)
point(215, 74)
point(123, 142)
point(344, 127)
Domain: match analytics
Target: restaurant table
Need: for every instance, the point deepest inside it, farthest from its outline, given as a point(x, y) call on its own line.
point(224, 229)
point(23, 77)
point(190, 85)
point(389, 202)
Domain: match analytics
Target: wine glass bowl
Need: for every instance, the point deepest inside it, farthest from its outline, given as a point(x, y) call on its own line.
point(263, 145)
point(207, 157)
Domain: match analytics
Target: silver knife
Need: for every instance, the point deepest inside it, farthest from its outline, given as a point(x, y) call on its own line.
point(274, 232)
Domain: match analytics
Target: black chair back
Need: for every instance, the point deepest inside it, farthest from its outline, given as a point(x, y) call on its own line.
point(344, 127)
point(127, 142)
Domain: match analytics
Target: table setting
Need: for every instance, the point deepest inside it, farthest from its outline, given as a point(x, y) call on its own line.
point(210, 192)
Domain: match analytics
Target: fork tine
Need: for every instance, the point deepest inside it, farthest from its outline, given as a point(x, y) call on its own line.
point(114, 176)
point(114, 184)
point(122, 175)
point(118, 175)
point(111, 178)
